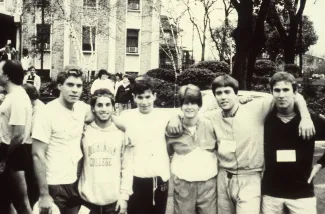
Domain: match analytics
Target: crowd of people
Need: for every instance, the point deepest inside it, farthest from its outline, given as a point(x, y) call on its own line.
point(248, 156)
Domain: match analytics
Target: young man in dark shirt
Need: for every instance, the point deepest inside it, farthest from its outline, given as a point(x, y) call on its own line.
point(288, 157)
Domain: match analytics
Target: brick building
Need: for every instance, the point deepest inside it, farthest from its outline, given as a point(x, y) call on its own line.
point(117, 35)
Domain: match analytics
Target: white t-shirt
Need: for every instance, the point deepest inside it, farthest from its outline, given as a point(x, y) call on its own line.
point(26, 62)
point(147, 133)
point(16, 109)
point(61, 129)
point(36, 108)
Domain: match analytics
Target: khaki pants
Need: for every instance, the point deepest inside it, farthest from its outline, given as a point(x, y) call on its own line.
point(273, 205)
point(195, 197)
point(239, 194)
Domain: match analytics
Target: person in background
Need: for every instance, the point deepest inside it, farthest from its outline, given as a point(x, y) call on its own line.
point(32, 188)
point(26, 60)
point(32, 78)
point(124, 94)
point(194, 162)
point(105, 183)
point(8, 52)
point(118, 82)
point(2, 93)
point(103, 81)
point(15, 128)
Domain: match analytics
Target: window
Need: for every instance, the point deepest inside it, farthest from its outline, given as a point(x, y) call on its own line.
point(39, 3)
point(132, 41)
point(133, 4)
point(90, 3)
point(43, 33)
point(88, 38)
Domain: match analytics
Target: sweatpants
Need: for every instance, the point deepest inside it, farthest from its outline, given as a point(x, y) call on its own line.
point(197, 197)
point(149, 196)
point(239, 194)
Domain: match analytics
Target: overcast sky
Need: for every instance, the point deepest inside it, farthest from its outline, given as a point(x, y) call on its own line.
point(315, 11)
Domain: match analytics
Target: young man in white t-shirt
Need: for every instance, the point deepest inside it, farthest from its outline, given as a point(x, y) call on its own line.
point(56, 148)
point(106, 178)
point(15, 126)
point(145, 127)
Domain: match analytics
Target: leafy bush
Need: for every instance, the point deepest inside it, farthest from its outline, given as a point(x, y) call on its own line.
point(292, 68)
point(213, 66)
point(264, 67)
point(196, 76)
point(162, 74)
point(165, 93)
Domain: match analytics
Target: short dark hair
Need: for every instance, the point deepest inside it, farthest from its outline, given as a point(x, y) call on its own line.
point(142, 84)
point(102, 92)
point(102, 72)
point(14, 70)
point(190, 94)
point(64, 75)
point(119, 75)
point(31, 67)
point(225, 81)
point(284, 76)
point(25, 52)
point(31, 91)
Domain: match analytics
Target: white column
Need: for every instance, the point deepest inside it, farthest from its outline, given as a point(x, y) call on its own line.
point(154, 61)
point(112, 37)
point(66, 38)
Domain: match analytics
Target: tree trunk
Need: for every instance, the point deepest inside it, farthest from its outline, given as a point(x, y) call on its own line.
point(258, 43)
point(203, 50)
point(243, 39)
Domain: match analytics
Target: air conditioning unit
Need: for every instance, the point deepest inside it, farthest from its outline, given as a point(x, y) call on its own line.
point(132, 49)
point(134, 6)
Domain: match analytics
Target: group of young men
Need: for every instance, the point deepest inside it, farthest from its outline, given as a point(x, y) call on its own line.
point(217, 158)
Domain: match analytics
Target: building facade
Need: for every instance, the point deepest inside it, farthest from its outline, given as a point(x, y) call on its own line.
point(117, 35)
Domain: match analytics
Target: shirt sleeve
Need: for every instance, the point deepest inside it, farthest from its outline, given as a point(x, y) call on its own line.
point(319, 124)
point(42, 126)
point(262, 106)
point(127, 169)
point(18, 113)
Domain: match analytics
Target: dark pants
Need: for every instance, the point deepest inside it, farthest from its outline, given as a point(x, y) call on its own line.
point(97, 209)
point(5, 196)
point(22, 160)
point(146, 200)
point(66, 197)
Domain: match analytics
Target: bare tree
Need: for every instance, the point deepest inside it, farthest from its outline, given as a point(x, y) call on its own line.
point(291, 11)
point(201, 26)
point(220, 35)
